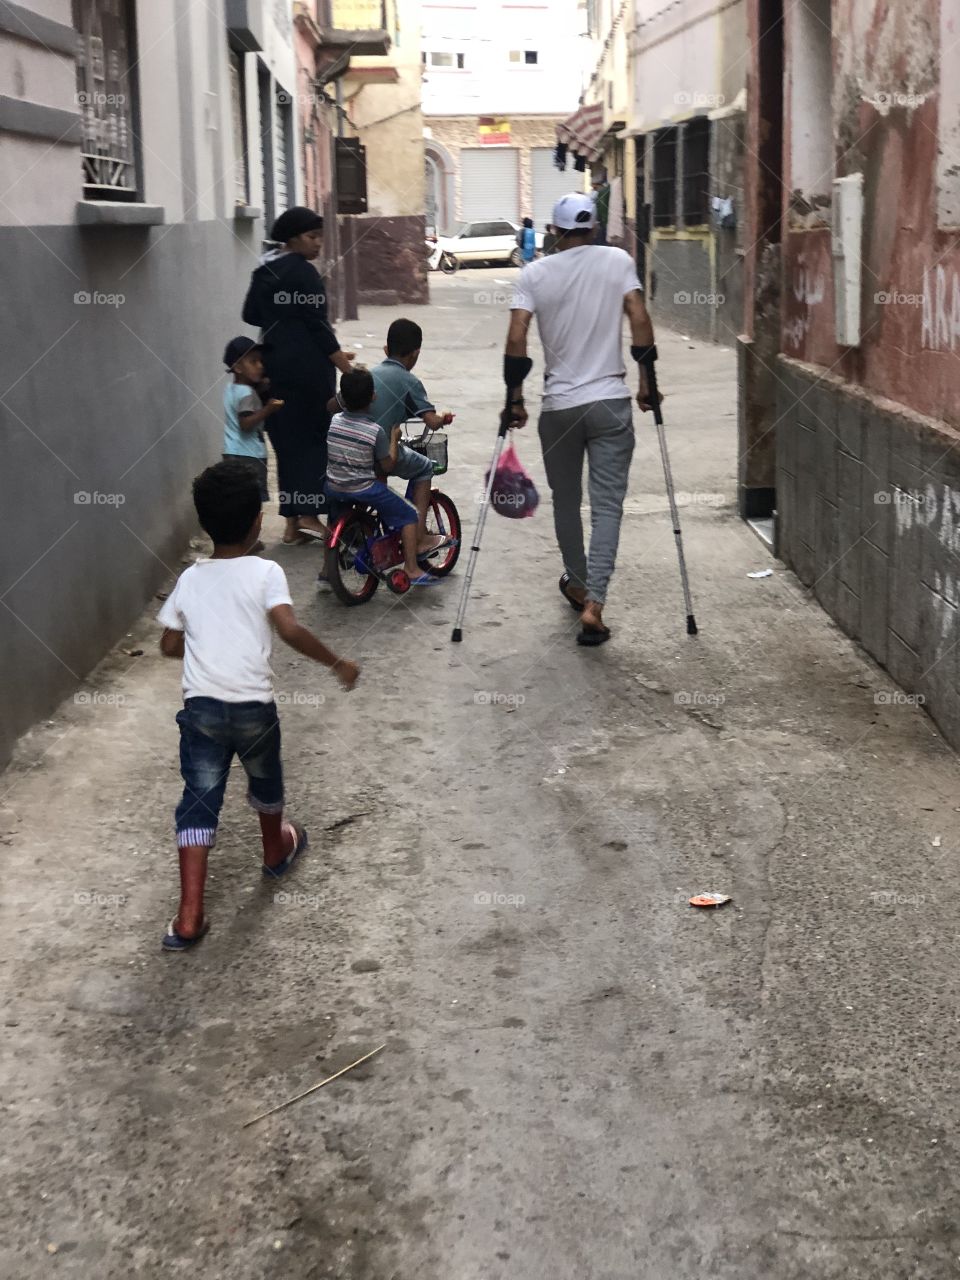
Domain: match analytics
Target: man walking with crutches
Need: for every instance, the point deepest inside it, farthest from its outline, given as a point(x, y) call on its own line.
point(579, 296)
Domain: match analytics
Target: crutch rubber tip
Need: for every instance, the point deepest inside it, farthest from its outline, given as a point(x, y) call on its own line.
point(691, 625)
point(457, 635)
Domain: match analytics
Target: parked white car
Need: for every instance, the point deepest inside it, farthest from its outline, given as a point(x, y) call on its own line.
point(494, 241)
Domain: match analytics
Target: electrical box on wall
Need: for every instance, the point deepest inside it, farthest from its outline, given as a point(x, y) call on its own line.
point(847, 266)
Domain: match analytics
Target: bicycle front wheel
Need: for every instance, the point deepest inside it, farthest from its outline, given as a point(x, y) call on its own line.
point(443, 518)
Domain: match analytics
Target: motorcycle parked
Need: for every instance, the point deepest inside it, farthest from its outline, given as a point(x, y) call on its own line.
point(440, 259)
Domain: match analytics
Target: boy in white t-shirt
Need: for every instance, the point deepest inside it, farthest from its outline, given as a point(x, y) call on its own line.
point(218, 618)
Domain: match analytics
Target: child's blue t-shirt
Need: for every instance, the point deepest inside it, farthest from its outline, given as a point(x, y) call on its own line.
point(239, 399)
point(400, 395)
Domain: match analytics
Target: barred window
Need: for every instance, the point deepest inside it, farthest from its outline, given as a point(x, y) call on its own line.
point(665, 177)
point(106, 96)
point(696, 172)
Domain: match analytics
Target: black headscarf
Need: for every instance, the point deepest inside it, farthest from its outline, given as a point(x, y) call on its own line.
point(295, 222)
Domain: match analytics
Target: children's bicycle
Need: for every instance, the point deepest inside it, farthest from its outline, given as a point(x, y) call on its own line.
point(362, 553)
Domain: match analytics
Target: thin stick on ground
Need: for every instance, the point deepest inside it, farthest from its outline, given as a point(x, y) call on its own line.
point(313, 1088)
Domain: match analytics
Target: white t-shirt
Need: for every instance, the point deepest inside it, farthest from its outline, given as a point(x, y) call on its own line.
point(221, 607)
point(577, 296)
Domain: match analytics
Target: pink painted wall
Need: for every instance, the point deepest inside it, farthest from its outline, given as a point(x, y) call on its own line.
point(887, 122)
point(317, 182)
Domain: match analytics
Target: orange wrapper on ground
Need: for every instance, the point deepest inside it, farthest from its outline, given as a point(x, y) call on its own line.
point(710, 899)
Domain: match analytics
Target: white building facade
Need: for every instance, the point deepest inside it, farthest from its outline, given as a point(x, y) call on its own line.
point(142, 142)
point(497, 78)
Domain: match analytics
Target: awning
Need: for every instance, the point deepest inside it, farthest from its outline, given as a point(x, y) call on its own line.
point(583, 131)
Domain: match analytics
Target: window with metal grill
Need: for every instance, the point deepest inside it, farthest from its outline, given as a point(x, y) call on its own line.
point(106, 95)
point(664, 181)
point(696, 172)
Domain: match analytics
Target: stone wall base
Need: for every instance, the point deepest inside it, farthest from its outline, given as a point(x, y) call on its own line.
point(868, 503)
point(391, 260)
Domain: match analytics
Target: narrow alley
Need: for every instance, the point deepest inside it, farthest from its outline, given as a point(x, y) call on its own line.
point(583, 1077)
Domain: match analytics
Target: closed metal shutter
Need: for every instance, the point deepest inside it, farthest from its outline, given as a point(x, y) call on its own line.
point(281, 149)
point(237, 104)
point(264, 147)
point(489, 183)
point(549, 184)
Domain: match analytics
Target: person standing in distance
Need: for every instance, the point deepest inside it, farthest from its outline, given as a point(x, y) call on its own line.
point(579, 295)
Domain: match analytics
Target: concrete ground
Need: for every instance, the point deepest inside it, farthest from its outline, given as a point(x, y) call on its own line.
point(583, 1077)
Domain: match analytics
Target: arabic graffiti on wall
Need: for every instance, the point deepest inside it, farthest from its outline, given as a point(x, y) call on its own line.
point(940, 327)
point(808, 287)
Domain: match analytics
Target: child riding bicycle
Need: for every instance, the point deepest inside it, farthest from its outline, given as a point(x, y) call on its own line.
point(399, 396)
point(356, 446)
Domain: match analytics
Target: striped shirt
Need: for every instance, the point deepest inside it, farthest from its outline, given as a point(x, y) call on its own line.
point(353, 442)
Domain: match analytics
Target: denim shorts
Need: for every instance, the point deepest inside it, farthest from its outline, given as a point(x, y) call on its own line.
point(211, 734)
point(393, 510)
point(412, 465)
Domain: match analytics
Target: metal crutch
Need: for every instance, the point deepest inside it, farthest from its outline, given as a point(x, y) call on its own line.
point(668, 476)
point(457, 635)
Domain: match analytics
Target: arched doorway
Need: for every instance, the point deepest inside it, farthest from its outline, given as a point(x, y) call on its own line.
point(432, 189)
point(438, 172)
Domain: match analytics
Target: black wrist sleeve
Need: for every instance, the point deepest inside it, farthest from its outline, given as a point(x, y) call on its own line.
point(515, 369)
point(644, 355)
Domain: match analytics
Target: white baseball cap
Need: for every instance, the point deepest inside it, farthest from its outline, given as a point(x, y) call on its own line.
point(575, 212)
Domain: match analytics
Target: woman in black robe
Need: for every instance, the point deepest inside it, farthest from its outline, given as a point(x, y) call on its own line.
point(287, 302)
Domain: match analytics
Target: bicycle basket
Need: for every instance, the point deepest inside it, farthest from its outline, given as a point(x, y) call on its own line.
point(433, 445)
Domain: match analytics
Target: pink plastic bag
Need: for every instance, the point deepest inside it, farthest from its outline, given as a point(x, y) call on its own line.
point(514, 494)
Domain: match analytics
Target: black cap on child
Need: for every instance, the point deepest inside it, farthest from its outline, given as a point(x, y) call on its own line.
point(237, 348)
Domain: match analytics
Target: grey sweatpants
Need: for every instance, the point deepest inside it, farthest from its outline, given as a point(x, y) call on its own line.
point(603, 431)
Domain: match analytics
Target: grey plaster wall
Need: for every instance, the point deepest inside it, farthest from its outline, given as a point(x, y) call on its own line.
point(118, 400)
point(683, 282)
point(868, 498)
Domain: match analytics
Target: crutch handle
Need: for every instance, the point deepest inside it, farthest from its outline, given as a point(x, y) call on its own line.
point(506, 418)
point(652, 390)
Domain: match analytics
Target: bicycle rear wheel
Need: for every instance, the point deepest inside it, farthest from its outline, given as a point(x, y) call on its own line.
point(443, 518)
point(352, 579)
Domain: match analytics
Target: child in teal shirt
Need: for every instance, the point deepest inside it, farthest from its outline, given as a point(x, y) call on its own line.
point(243, 411)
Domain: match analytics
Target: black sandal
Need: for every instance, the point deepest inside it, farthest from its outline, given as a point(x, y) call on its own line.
point(564, 584)
point(592, 636)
